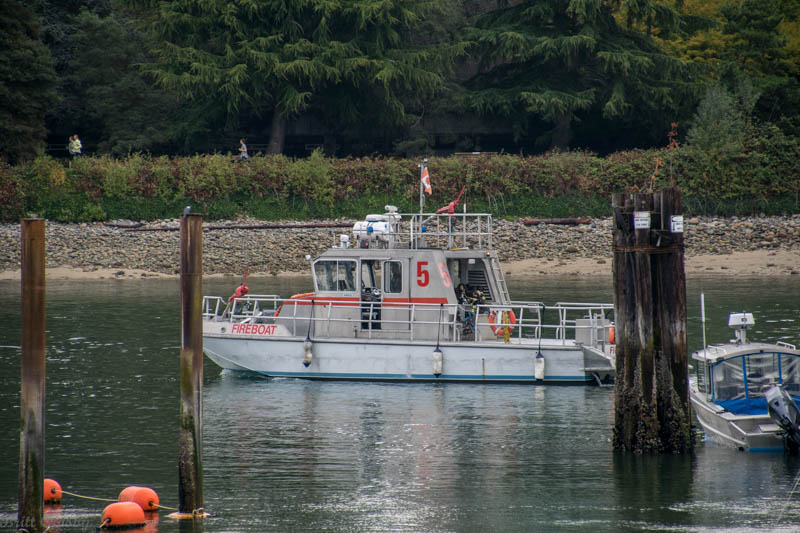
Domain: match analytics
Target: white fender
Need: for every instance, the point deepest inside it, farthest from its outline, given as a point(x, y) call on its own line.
point(307, 355)
point(538, 367)
point(437, 362)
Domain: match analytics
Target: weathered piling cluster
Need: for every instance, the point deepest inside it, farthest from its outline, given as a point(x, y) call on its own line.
point(651, 401)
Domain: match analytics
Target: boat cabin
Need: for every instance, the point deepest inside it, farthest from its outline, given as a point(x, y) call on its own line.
point(737, 375)
point(391, 275)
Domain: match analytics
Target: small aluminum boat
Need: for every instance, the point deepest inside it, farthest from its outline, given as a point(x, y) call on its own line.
point(744, 393)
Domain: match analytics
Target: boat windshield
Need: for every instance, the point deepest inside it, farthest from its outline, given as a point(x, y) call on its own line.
point(749, 376)
point(335, 275)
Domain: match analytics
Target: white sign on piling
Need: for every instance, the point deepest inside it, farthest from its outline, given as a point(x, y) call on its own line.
point(641, 220)
point(676, 224)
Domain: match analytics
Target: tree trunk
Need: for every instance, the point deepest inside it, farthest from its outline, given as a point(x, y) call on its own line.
point(277, 134)
point(329, 144)
point(651, 411)
point(562, 133)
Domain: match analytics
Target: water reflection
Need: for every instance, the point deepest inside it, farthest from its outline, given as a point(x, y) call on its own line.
point(408, 457)
point(651, 489)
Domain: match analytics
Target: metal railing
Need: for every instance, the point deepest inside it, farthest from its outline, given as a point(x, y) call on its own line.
point(518, 322)
point(459, 230)
point(570, 312)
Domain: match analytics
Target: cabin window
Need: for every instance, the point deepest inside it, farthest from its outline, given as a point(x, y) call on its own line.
point(790, 373)
point(335, 275)
point(728, 376)
point(762, 373)
point(393, 277)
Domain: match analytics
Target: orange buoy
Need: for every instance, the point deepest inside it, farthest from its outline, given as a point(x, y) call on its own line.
point(611, 335)
point(52, 491)
point(144, 496)
point(122, 514)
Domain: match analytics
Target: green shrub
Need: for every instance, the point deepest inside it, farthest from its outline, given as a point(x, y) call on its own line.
point(12, 201)
point(311, 181)
point(764, 177)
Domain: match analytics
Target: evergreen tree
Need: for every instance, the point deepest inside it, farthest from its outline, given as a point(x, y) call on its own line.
point(570, 65)
point(728, 149)
point(757, 49)
point(722, 122)
point(332, 59)
point(27, 82)
point(102, 95)
point(108, 99)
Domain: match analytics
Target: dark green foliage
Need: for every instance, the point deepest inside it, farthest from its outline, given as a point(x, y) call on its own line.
point(27, 82)
point(106, 99)
point(757, 50)
point(348, 63)
point(745, 162)
point(12, 205)
point(548, 65)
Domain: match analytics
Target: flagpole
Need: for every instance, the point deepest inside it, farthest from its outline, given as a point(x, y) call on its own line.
point(422, 186)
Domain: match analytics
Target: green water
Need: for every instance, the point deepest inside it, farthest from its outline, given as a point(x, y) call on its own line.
point(291, 455)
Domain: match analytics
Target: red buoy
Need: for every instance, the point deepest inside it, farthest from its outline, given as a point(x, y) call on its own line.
point(144, 496)
point(122, 514)
point(52, 491)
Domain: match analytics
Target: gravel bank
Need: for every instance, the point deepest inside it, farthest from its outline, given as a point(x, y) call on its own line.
point(543, 249)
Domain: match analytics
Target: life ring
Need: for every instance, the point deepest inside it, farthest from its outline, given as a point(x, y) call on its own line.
point(278, 310)
point(611, 335)
point(497, 316)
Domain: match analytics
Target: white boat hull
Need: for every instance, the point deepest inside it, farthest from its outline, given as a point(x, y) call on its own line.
point(389, 360)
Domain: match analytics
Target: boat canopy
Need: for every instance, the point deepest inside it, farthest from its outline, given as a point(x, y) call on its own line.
point(740, 381)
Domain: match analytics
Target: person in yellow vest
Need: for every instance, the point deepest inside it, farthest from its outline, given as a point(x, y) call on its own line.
point(75, 148)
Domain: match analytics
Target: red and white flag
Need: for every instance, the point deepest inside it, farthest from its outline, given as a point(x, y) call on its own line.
point(426, 181)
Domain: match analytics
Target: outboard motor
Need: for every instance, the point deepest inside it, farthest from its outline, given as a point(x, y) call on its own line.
point(785, 413)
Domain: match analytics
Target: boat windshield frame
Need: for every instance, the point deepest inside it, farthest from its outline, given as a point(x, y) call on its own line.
point(739, 382)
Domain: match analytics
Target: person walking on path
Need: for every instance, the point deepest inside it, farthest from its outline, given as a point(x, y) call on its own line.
point(243, 150)
point(74, 148)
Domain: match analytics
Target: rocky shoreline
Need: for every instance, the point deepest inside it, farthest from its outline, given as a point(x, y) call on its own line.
point(102, 247)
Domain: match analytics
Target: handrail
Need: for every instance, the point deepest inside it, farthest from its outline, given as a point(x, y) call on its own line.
point(413, 321)
point(445, 225)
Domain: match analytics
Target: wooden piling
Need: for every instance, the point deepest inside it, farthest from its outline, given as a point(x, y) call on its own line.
point(651, 401)
point(190, 464)
point(30, 514)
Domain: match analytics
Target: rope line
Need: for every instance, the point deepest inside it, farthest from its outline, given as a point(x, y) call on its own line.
point(112, 500)
point(167, 508)
point(87, 497)
point(650, 249)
